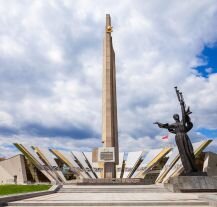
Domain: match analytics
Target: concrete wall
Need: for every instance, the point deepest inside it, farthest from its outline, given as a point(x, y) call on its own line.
point(210, 164)
point(11, 168)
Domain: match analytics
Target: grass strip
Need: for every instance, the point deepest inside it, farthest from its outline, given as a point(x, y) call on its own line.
point(16, 189)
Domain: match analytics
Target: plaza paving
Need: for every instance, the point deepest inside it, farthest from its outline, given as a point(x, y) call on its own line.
point(139, 195)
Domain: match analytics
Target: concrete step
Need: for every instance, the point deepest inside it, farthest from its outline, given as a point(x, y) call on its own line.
point(112, 191)
point(113, 203)
point(136, 206)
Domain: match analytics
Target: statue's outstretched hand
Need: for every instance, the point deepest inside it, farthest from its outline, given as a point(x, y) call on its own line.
point(158, 123)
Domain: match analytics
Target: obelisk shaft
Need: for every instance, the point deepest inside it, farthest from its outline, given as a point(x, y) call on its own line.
point(109, 122)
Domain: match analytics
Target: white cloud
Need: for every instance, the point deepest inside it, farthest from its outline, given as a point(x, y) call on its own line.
point(10, 47)
point(55, 55)
point(51, 64)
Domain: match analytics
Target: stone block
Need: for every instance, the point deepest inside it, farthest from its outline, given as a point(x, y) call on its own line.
point(192, 184)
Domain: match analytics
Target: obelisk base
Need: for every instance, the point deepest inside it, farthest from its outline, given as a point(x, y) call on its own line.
point(109, 170)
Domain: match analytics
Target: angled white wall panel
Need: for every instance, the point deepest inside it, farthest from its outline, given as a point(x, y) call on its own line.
point(33, 153)
point(80, 157)
point(173, 158)
point(151, 154)
point(68, 158)
point(119, 166)
point(132, 159)
point(48, 156)
point(150, 159)
point(94, 166)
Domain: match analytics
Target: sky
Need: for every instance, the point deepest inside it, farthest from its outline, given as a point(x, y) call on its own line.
point(51, 71)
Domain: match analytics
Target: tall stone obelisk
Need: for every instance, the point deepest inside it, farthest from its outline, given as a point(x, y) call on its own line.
point(109, 102)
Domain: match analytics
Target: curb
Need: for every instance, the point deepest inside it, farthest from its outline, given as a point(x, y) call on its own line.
point(16, 197)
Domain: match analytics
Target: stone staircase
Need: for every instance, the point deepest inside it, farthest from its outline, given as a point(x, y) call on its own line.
point(147, 195)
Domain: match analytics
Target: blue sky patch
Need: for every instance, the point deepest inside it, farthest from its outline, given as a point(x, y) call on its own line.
point(210, 133)
point(208, 55)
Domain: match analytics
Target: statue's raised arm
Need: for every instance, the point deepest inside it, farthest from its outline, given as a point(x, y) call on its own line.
point(167, 126)
point(185, 113)
point(160, 125)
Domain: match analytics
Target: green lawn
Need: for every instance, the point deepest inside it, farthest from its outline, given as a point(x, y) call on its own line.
point(15, 189)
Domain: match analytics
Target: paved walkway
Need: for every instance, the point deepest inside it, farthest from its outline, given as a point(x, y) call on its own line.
point(148, 195)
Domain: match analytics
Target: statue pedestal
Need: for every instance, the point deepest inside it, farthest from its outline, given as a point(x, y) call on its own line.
point(192, 184)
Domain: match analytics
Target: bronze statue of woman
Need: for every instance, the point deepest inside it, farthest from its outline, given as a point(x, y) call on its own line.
point(180, 128)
